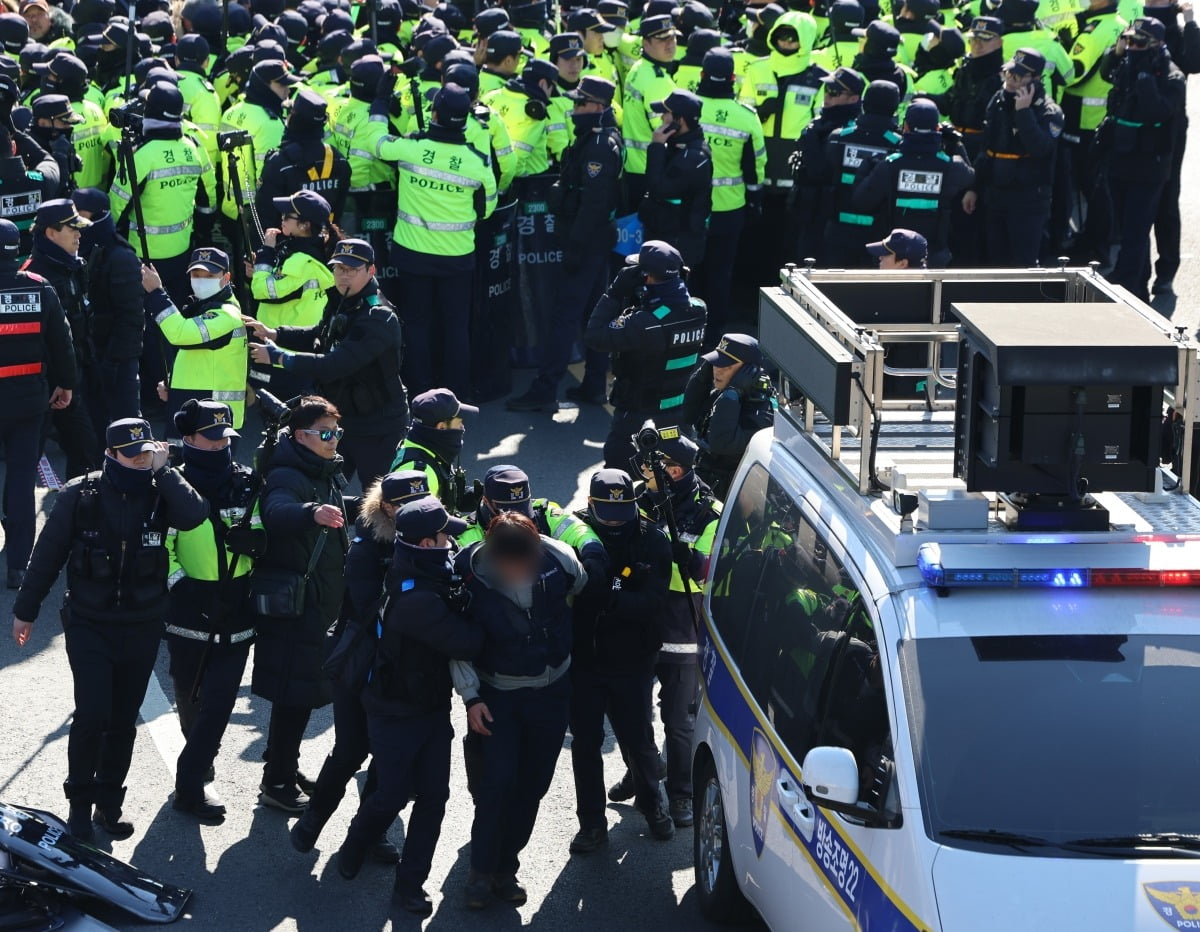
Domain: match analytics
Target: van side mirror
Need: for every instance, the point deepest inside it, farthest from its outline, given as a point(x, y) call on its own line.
point(830, 778)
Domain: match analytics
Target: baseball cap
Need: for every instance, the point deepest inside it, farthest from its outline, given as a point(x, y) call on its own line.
point(677, 448)
point(93, 200)
point(164, 102)
point(60, 212)
point(539, 69)
point(1147, 28)
point(595, 89)
point(611, 496)
point(307, 107)
point(735, 348)
point(1027, 61)
point(986, 27)
point(845, 13)
point(881, 97)
point(65, 67)
point(681, 103)
point(10, 239)
point(903, 244)
point(55, 107)
point(587, 18)
point(504, 42)
point(657, 27)
point(566, 45)
point(925, 8)
point(366, 72)
point(490, 20)
point(439, 404)
point(847, 79)
point(274, 69)
point(28, 4)
point(950, 40)
point(452, 104)
point(14, 32)
point(130, 435)
point(210, 259)
point(193, 48)
point(355, 253)
point(404, 485)
point(718, 65)
point(880, 36)
point(507, 488)
point(309, 205)
point(765, 15)
point(922, 116)
point(204, 416)
point(426, 517)
point(657, 258)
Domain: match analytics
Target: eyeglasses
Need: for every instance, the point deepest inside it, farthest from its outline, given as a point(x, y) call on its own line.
point(326, 435)
point(291, 216)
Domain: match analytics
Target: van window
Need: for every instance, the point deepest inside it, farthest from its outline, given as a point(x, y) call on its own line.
point(802, 638)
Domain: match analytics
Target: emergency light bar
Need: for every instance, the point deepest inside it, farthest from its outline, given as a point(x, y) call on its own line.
point(939, 576)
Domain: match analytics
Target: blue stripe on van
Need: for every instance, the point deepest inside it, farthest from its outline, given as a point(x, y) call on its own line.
point(836, 858)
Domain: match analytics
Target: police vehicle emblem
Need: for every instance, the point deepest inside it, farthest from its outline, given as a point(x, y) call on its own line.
point(763, 767)
point(1177, 904)
point(593, 169)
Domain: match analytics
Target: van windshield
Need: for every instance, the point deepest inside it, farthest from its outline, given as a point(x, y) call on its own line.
point(1056, 739)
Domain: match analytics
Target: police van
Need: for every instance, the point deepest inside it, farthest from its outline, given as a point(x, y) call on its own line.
point(951, 645)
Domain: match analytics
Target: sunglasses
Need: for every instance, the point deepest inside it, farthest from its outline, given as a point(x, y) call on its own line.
point(326, 435)
point(291, 216)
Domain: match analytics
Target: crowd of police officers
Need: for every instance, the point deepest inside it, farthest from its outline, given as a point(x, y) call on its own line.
point(216, 207)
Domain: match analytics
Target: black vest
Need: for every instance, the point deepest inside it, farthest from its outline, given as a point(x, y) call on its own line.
point(21, 333)
point(654, 378)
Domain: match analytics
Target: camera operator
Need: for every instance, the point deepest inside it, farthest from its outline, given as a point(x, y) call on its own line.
point(354, 357)
point(1136, 140)
point(654, 329)
point(210, 629)
point(109, 530)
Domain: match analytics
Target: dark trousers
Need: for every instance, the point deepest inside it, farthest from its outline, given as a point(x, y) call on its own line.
point(157, 354)
point(1135, 200)
point(111, 665)
point(518, 764)
point(619, 447)
point(579, 290)
point(351, 746)
point(284, 734)
point(677, 685)
point(203, 722)
point(119, 392)
point(622, 696)
point(369, 456)
point(714, 283)
point(1016, 220)
point(1090, 198)
point(412, 759)
point(1167, 225)
point(436, 313)
point(21, 436)
point(76, 433)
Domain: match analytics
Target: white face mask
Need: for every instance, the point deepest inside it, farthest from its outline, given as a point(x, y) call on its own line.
point(928, 41)
point(205, 288)
point(612, 39)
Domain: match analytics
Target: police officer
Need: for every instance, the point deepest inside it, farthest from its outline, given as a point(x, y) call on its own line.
point(938, 59)
point(177, 187)
point(655, 329)
point(523, 103)
point(38, 364)
point(56, 237)
point(114, 290)
point(679, 174)
point(53, 126)
point(616, 642)
point(434, 444)
point(353, 648)
point(67, 75)
point(372, 180)
point(304, 161)
point(305, 521)
point(210, 630)
point(976, 82)
point(208, 335)
point(593, 28)
point(502, 55)
point(730, 399)
point(1014, 175)
point(567, 55)
point(919, 184)
point(838, 47)
point(25, 188)
point(739, 165)
point(201, 105)
point(109, 530)
point(649, 81)
point(876, 61)
point(586, 199)
point(445, 188)
point(1148, 96)
point(408, 698)
point(901, 249)
point(354, 357)
point(520, 584)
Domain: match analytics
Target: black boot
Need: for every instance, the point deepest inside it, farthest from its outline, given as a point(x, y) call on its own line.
point(307, 829)
point(109, 799)
point(350, 858)
point(79, 822)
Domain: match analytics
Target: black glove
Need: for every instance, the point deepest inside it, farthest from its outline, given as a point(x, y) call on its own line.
point(681, 553)
point(623, 287)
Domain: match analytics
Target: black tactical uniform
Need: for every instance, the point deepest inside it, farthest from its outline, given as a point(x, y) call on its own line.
point(585, 199)
point(873, 135)
point(965, 104)
point(679, 176)
point(1136, 139)
point(36, 356)
point(354, 358)
point(303, 160)
point(919, 186)
point(1014, 173)
point(655, 331)
point(109, 530)
point(56, 108)
point(25, 188)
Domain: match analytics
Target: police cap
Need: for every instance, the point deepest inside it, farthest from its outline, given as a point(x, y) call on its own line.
point(880, 36)
point(210, 259)
point(164, 102)
point(308, 107)
point(507, 488)
point(1147, 29)
point(923, 8)
point(986, 27)
point(192, 48)
point(274, 69)
point(55, 107)
point(922, 116)
point(437, 405)
point(355, 253)
point(490, 20)
point(60, 212)
point(14, 32)
point(681, 104)
point(538, 69)
point(366, 72)
point(586, 18)
point(92, 200)
point(213, 419)
point(903, 244)
point(504, 42)
point(614, 12)
point(451, 104)
point(10, 239)
point(64, 67)
point(657, 258)
point(678, 449)
point(404, 485)
point(566, 45)
point(307, 205)
point(846, 80)
point(657, 27)
point(734, 348)
point(463, 74)
point(595, 90)
point(426, 517)
point(846, 14)
point(718, 65)
point(1027, 61)
point(130, 435)
point(881, 98)
point(611, 496)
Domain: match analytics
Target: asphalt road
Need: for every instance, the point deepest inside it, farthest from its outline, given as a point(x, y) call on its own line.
point(245, 874)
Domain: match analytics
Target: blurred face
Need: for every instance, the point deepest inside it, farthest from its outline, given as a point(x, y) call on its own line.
point(514, 571)
point(138, 461)
point(38, 20)
point(660, 49)
point(569, 69)
point(200, 442)
point(65, 237)
point(723, 375)
point(350, 279)
point(314, 437)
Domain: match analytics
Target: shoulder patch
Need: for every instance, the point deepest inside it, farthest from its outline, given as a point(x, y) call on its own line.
point(209, 315)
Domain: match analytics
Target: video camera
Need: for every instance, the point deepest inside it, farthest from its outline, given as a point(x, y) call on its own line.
point(233, 139)
point(409, 67)
point(275, 413)
point(128, 116)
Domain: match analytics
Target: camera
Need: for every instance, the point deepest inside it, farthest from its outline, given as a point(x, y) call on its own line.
point(648, 438)
point(410, 67)
point(128, 116)
point(233, 139)
point(275, 412)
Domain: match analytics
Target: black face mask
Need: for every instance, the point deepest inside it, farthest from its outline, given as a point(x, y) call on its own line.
point(207, 469)
point(586, 122)
point(615, 534)
point(127, 480)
